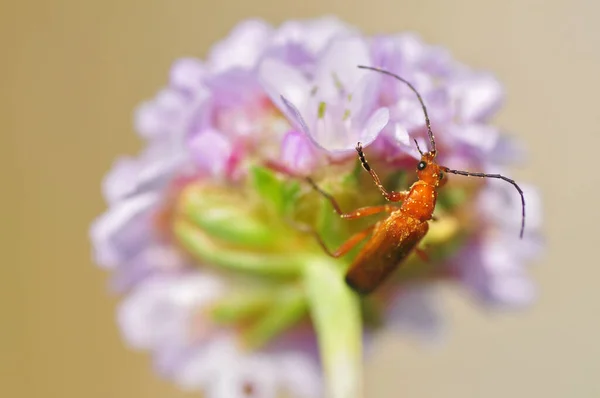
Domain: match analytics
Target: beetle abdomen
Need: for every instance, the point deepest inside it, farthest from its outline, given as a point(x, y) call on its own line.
point(392, 241)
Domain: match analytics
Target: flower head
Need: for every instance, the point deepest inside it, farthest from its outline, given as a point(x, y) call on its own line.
point(210, 231)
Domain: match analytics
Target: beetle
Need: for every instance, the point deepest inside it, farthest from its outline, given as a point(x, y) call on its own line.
point(394, 238)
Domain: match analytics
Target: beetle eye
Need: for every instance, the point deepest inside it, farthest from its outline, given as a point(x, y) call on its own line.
point(441, 176)
point(421, 165)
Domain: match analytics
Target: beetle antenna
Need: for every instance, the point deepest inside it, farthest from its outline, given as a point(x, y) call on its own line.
point(418, 149)
point(414, 90)
point(501, 177)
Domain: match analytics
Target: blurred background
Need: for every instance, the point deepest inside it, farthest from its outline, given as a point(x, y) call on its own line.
point(71, 74)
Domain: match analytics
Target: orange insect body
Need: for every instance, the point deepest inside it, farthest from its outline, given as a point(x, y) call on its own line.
point(393, 239)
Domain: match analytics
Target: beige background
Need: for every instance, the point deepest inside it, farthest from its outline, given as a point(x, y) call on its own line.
point(71, 72)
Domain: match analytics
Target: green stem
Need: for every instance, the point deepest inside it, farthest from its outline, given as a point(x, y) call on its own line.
point(335, 311)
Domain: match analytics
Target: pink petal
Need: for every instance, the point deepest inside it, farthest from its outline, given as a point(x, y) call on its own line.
point(478, 96)
point(242, 48)
point(187, 73)
point(116, 228)
point(297, 153)
point(210, 151)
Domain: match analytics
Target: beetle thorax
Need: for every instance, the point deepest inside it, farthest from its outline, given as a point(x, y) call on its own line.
point(420, 201)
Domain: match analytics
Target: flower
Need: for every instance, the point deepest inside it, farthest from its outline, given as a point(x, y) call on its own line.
point(209, 232)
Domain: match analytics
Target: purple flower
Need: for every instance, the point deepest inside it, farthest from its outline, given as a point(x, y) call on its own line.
point(336, 107)
point(207, 230)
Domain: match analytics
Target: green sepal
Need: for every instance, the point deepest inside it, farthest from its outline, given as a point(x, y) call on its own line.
point(199, 244)
point(287, 308)
point(278, 193)
point(290, 193)
point(240, 306)
point(223, 218)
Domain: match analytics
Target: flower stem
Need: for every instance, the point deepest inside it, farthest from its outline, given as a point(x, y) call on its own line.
point(335, 311)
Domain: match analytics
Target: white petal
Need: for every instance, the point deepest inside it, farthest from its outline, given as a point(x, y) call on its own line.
point(300, 376)
point(187, 73)
point(148, 120)
point(295, 115)
point(211, 151)
point(249, 376)
point(281, 80)
point(312, 34)
point(364, 97)
point(120, 179)
point(170, 101)
point(501, 202)
point(401, 135)
point(378, 120)
point(481, 137)
point(114, 221)
point(241, 48)
point(201, 369)
point(156, 172)
point(479, 97)
point(513, 290)
point(332, 133)
point(339, 64)
point(159, 312)
point(411, 47)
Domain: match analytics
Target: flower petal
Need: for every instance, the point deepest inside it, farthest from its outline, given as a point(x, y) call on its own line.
point(297, 153)
point(156, 117)
point(119, 232)
point(211, 151)
point(337, 70)
point(478, 96)
point(187, 74)
point(374, 125)
point(247, 376)
point(313, 34)
point(159, 312)
point(415, 310)
point(242, 48)
point(480, 137)
point(284, 85)
point(295, 115)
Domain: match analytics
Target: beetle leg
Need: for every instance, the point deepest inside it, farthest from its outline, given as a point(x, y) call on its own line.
point(422, 255)
point(363, 211)
point(344, 248)
point(347, 245)
point(392, 196)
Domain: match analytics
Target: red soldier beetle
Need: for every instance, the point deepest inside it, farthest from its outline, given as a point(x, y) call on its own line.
point(392, 239)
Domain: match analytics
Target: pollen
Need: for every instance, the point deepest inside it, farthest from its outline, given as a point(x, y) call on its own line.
point(322, 108)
